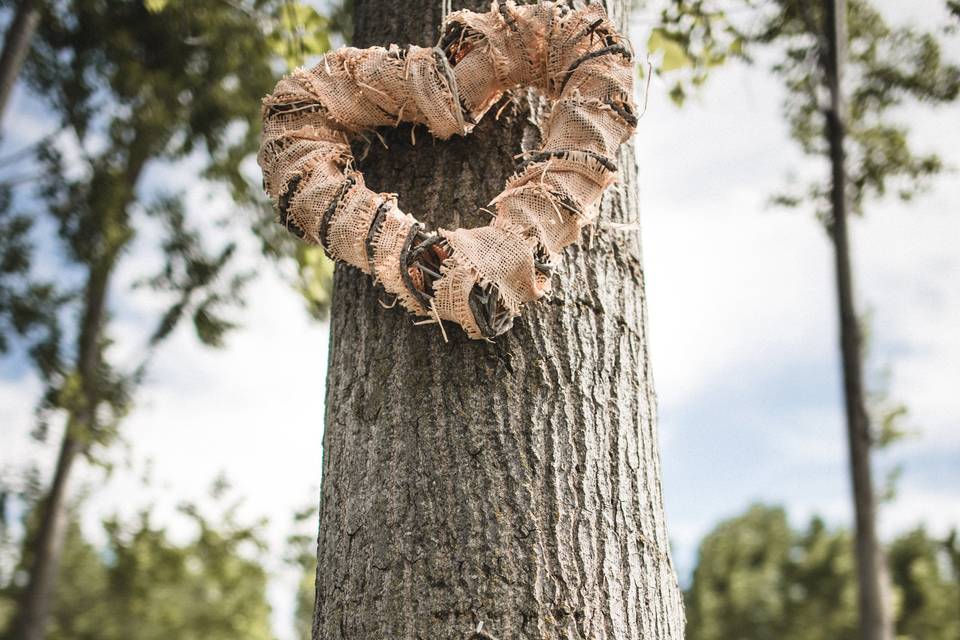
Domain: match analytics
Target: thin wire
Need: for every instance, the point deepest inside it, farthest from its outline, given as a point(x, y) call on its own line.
point(646, 91)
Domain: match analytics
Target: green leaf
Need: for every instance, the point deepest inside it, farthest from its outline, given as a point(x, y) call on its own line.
point(315, 279)
point(675, 55)
point(155, 6)
point(678, 95)
point(300, 31)
point(736, 46)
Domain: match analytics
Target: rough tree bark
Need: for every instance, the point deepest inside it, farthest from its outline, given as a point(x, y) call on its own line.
point(873, 601)
point(514, 484)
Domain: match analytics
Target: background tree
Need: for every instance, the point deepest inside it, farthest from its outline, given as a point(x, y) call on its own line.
point(758, 578)
point(144, 586)
point(16, 45)
point(302, 557)
point(513, 484)
point(845, 72)
point(133, 83)
point(872, 583)
point(927, 578)
point(130, 86)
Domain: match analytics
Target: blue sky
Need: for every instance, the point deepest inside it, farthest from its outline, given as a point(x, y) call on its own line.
point(743, 340)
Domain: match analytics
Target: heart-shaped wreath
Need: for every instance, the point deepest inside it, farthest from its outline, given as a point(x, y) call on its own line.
point(478, 278)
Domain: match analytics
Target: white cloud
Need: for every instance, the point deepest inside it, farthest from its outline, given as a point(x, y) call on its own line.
point(729, 281)
point(743, 319)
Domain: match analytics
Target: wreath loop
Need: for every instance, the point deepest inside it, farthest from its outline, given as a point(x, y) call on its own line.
point(478, 278)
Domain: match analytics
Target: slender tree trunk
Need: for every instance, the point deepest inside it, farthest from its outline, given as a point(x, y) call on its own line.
point(513, 485)
point(47, 546)
point(16, 44)
point(37, 600)
point(875, 622)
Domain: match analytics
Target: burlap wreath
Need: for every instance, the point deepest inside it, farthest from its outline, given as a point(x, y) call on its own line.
point(478, 278)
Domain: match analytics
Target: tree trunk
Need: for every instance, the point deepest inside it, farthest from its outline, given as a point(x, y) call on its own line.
point(16, 44)
point(47, 546)
point(875, 622)
point(511, 487)
point(37, 601)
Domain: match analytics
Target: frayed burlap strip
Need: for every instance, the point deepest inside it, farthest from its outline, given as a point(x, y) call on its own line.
point(574, 57)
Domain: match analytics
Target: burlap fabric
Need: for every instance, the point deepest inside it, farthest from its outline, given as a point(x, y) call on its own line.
point(574, 57)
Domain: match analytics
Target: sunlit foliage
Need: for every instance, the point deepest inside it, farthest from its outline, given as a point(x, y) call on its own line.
point(758, 578)
point(144, 583)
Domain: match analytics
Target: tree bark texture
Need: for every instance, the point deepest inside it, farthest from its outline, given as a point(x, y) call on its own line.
point(512, 487)
point(16, 44)
point(872, 581)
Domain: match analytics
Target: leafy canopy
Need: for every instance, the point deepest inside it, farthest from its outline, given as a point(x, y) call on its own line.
point(886, 67)
point(142, 584)
point(757, 578)
point(134, 85)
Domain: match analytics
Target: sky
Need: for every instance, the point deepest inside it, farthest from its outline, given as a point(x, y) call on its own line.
point(743, 341)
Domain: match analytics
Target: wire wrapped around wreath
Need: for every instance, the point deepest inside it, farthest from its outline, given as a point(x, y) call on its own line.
point(478, 278)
